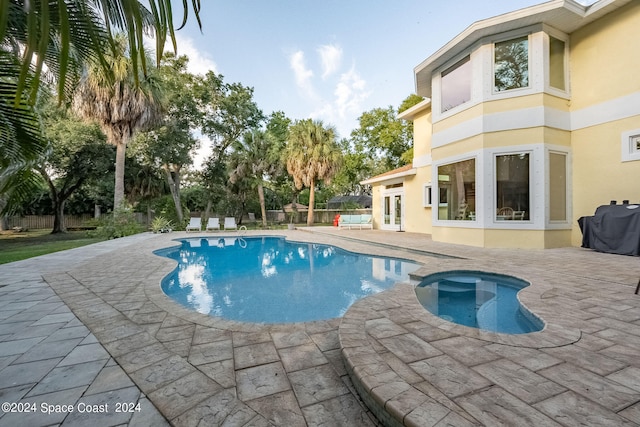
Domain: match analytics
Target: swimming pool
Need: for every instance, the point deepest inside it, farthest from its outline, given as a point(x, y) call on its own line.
point(271, 280)
point(480, 300)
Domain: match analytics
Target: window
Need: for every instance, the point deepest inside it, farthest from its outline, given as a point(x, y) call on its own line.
point(387, 210)
point(557, 186)
point(511, 64)
point(457, 190)
point(455, 85)
point(556, 63)
point(426, 195)
point(512, 187)
point(631, 145)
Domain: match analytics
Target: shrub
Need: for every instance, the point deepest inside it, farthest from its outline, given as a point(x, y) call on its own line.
point(122, 222)
point(161, 225)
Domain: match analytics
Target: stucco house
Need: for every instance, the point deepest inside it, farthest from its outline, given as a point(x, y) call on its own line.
point(531, 120)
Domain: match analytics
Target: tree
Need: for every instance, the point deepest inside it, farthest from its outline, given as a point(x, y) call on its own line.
point(170, 145)
point(311, 155)
point(63, 35)
point(78, 154)
point(385, 137)
point(119, 105)
point(229, 111)
point(254, 158)
point(357, 166)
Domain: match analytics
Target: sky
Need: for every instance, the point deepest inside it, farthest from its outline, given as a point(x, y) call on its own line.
point(330, 60)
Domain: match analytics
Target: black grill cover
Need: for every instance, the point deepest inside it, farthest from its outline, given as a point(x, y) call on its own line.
point(613, 229)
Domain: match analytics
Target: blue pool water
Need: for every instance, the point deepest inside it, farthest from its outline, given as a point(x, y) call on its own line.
point(270, 280)
point(479, 300)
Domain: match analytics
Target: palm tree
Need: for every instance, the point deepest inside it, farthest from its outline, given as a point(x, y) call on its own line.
point(62, 35)
point(118, 104)
point(311, 155)
point(253, 158)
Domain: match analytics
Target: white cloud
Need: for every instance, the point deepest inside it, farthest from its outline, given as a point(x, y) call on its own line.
point(199, 62)
point(350, 92)
point(302, 74)
point(342, 111)
point(330, 57)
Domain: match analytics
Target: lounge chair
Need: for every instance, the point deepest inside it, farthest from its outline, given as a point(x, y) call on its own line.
point(213, 224)
point(230, 223)
point(195, 224)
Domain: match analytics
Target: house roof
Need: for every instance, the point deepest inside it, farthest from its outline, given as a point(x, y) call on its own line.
point(564, 15)
point(406, 170)
point(363, 200)
point(411, 113)
point(299, 207)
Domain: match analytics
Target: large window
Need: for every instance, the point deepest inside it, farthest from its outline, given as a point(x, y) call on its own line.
point(511, 64)
point(557, 186)
point(457, 190)
point(456, 85)
point(512, 187)
point(556, 63)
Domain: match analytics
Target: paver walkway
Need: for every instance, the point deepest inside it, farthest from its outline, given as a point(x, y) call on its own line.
point(100, 331)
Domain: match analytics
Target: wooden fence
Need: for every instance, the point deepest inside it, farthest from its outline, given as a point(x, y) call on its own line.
point(34, 222)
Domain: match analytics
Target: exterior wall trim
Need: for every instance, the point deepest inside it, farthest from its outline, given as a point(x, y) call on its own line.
point(608, 111)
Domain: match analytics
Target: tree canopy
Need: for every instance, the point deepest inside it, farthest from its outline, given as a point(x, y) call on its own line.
point(312, 155)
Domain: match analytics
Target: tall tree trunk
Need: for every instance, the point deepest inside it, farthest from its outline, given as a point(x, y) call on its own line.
point(312, 197)
point(118, 195)
point(58, 216)
point(58, 204)
point(4, 221)
point(173, 179)
point(263, 208)
point(207, 210)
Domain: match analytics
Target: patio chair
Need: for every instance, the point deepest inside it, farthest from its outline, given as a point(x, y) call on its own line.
point(213, 224)
point(505, 213)
point(230, 223)
point(195, 224)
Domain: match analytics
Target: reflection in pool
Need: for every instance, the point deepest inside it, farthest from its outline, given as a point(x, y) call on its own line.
point(479, 300)
point(270, 280)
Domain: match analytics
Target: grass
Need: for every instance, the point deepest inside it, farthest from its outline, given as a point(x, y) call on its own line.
point(28, 244)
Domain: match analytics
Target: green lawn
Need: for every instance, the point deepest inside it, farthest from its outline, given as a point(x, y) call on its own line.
point(18, 246)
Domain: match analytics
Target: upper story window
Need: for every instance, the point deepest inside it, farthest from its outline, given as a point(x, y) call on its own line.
point(456, 84)
point(511, 64)
point(557, 77)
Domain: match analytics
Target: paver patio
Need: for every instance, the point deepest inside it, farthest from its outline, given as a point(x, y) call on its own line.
point(98, 331)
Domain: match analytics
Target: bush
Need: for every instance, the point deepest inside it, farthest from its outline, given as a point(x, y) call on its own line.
point(161, 225)
point(122, 222)
point(164, 207)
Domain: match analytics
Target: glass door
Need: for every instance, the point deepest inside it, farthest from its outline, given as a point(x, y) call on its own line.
point(392, 212)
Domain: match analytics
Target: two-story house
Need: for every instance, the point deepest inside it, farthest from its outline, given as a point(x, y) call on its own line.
point(531, 119)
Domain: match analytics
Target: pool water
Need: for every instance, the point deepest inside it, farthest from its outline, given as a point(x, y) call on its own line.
point(271, 280)
point(479, 300)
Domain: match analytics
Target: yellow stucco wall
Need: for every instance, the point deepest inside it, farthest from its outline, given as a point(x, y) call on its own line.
point(422, 134)
point(599, 175)
point(516, 239)
point(417, 217)
point(604, 58)
point(376, 206)
point(605, 48)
